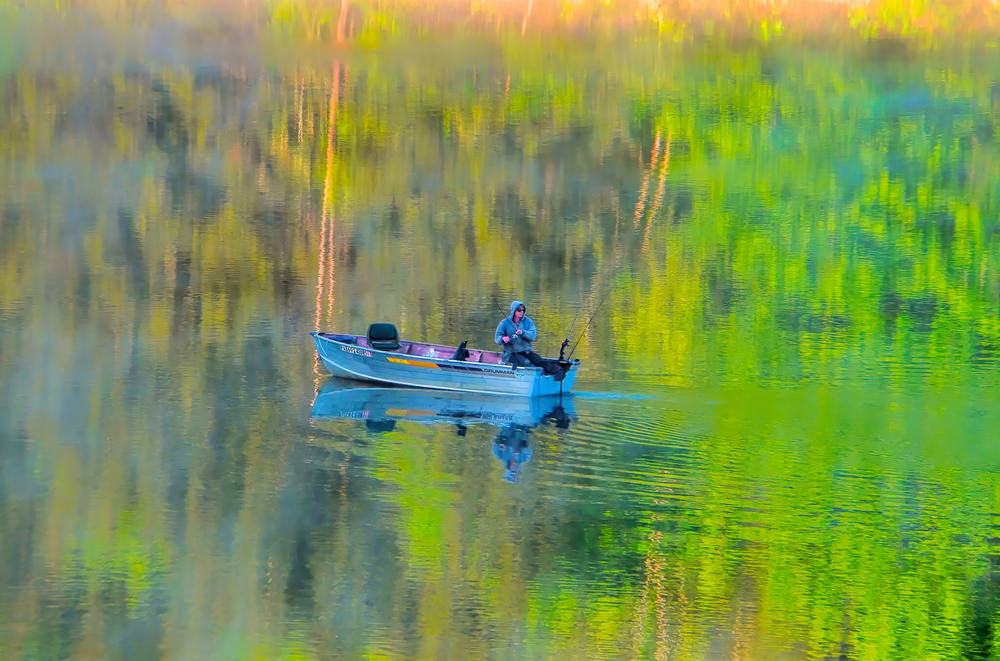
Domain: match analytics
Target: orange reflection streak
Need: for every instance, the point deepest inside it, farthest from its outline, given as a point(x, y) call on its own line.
point(341, 21)
point(653, 598)
point(300, 104)
point(640, 204)
point(319, 274)
point(659, 597)
point(328, 218)
point(662, 643)
point(325, 273)
point(319, 290)
point(524, 23)
point(741, 644)
point(642, 612)
point(658, 198)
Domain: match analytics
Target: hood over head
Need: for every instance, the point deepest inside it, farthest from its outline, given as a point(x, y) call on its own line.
point(513, 306)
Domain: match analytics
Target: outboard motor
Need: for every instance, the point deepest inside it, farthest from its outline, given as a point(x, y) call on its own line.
point(556, 367)
point(383, 337)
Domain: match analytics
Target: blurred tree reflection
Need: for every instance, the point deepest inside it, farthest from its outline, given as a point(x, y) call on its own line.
point(186, 190)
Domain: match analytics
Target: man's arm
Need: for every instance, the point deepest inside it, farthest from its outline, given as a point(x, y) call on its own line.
point(498, 336)
point(530, 332)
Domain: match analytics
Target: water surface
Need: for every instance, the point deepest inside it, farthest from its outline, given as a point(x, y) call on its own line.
point(783, 444)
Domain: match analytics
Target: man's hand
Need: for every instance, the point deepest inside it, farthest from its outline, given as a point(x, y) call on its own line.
point(519, 332)
point(506, 338)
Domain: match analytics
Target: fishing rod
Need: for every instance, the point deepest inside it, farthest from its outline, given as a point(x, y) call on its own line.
point(569, 333)
point(639, 209)
point(597, 309)
point(562, 347)
point(572, 326)
point(610, 275)
point(600, 303)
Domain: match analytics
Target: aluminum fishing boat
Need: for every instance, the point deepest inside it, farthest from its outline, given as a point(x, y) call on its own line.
point(382, 357)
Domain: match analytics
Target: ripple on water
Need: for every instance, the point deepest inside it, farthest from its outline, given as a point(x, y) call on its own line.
point(617, 452)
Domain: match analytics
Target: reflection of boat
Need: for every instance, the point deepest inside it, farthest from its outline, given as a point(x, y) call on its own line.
point(381, 407)
point(421, 365)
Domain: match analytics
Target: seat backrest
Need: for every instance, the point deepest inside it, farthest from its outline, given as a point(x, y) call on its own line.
point(383, 337)
point(461, 353)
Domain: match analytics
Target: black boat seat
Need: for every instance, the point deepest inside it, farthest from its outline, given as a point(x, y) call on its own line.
point(461, 353)
point(383, 337)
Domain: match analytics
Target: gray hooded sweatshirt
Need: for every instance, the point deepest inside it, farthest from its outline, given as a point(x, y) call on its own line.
point(518, 343)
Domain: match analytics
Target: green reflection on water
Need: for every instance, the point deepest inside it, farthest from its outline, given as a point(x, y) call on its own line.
point(800, 245)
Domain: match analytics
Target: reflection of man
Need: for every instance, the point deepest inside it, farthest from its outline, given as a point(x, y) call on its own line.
point(512, 449)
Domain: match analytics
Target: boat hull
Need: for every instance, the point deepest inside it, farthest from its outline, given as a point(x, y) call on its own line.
point(354, 361)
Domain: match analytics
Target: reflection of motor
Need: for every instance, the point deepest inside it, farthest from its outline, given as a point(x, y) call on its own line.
point(559, 416)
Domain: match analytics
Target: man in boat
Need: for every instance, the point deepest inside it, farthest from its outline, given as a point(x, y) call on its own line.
point(516, 333)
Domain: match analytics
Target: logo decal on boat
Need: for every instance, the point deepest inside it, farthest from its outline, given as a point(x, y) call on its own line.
point(353, 414)
point(357, 351)
point(508, 372)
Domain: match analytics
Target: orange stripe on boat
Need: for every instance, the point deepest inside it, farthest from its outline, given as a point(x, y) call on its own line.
point(406, 361)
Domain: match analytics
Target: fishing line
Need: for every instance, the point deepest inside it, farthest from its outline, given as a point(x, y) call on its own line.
point(607, 283)
point(600, 304)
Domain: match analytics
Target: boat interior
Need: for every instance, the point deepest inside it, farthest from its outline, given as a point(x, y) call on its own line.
point(419, 349)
